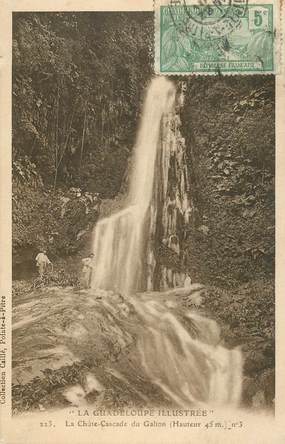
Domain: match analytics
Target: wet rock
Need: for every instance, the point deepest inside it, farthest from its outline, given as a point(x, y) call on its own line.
point(53, 328)
point(137, 349)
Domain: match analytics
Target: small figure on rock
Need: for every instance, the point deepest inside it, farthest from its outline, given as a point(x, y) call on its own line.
point(187, 281)
point(87, 270)
point(42, 262)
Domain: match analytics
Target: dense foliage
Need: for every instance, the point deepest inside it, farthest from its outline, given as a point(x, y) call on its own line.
point(77, 86)
point(229, 130)
point(78, 82)
point(42, 218)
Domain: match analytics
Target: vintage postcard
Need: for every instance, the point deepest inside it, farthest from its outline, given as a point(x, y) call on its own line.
point(142, 222)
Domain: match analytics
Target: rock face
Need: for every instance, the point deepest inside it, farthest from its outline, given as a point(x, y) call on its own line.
point(146, 350)
point(57, 327)
point(171, 210)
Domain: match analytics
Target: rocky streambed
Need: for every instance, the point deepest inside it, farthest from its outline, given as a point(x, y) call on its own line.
point(84, 347)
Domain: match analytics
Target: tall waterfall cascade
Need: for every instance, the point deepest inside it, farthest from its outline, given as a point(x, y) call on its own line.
point(180, 351)
point(125, 243)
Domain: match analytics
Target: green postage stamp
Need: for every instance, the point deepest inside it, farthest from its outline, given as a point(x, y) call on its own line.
point(216, 36)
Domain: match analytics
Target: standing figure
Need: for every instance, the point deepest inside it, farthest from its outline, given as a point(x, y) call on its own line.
point(42, 262)
point(187, 281)
point(87, 271)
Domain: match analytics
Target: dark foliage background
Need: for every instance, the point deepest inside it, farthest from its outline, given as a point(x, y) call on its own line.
point(228, 123)
point(77, 88)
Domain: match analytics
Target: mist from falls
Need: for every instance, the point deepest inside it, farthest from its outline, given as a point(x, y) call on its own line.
point(180, 353)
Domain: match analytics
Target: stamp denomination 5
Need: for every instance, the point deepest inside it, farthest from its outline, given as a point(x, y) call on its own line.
point(225, 36)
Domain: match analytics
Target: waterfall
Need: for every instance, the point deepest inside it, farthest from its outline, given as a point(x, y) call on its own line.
point(191, 369)
point(122, 241)
point(180, 353)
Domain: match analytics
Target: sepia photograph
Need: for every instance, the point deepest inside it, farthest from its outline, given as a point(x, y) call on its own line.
point(143, 219)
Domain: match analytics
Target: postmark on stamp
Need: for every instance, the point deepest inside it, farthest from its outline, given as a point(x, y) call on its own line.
point(214, 36)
